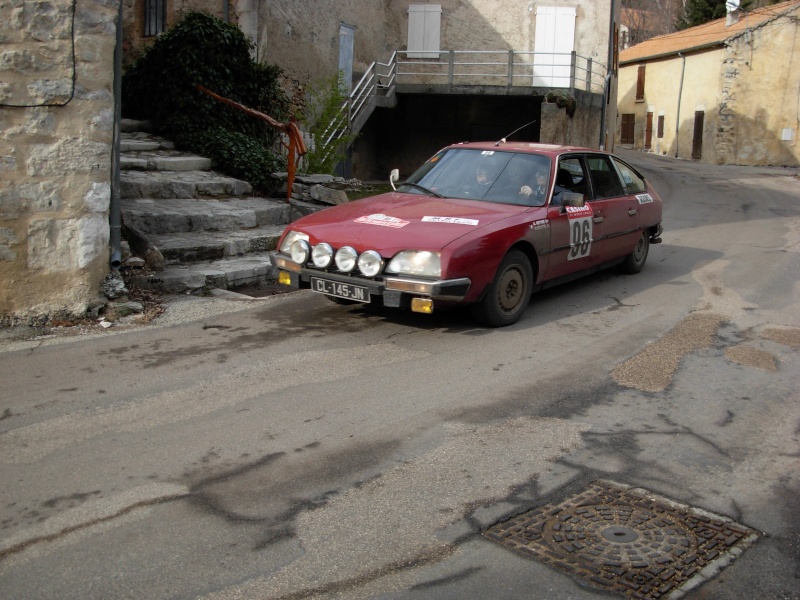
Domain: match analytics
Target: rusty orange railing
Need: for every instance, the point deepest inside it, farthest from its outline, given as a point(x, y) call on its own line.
point(296, 146)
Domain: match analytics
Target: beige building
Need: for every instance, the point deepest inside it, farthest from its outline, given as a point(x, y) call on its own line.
point(724, 92)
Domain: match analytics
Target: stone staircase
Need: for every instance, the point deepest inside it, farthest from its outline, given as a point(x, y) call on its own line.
point(212, 231)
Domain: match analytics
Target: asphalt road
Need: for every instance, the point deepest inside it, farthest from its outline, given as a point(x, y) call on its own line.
point(293, 448)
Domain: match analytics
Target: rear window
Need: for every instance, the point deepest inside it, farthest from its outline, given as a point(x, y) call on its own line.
point(605, 182)
point(634, 182)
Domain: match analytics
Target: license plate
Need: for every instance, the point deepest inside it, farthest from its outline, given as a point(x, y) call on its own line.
point(356, 293)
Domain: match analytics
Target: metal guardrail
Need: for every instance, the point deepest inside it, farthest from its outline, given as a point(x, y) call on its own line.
point(508, 68)
point(455, 68)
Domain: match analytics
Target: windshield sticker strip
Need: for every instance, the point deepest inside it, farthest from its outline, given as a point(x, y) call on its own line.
point(644, 198)
point(382, 220)
point(455, 220)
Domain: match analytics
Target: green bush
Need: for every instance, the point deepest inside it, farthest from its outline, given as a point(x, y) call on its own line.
point(201, 49)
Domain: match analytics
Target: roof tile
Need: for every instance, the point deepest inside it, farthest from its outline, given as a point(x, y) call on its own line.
point(710, 34)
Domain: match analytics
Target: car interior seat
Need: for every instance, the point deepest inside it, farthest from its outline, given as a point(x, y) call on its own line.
point(564, 179)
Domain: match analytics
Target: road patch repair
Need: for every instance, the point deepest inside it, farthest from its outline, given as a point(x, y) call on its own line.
point(619, 538)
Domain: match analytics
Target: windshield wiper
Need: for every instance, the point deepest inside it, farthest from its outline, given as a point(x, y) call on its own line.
point(423, 189)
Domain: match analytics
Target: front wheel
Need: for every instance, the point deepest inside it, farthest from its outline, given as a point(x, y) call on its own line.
point(508, 296)
point(634, 262)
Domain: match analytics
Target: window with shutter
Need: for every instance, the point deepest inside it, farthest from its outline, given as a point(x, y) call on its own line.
point(640, 84)
point(553, 44)
point(628, 128)
point(424, 26)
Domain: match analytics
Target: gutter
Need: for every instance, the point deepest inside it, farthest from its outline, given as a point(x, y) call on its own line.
point(607, 82)
point(680, 93)
point(115, 213)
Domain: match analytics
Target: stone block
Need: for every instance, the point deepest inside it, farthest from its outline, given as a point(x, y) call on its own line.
point(322, 193)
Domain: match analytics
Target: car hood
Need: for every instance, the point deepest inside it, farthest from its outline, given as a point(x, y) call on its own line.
point(397, 221)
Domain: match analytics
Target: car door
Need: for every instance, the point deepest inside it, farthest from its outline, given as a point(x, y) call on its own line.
point(615, 210)
point(576, 233)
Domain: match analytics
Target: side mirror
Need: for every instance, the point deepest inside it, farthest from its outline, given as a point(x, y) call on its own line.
point(393, 177)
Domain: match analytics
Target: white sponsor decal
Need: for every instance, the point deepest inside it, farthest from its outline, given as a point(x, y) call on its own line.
point(382, 220)
point(644, 198)
point(455, 220)
point(575, 212)
point(541, 224)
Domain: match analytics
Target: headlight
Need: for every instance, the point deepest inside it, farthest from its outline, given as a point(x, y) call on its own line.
point(416, 262)
point(290, 239)
point(346, 259)
point(300, 251)
point(322, 255)
point(370, 263)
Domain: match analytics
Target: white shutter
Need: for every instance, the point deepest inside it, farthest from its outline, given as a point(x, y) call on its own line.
point(424, 24)
point(555, 40)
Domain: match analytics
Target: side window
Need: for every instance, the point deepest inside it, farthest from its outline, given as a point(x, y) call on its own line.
point(605, 182)
point(634, 182)
point(570, 180)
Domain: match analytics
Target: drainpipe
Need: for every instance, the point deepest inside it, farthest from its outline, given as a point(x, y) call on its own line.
point(680, 93)
point(607, 82)
point(115, 216)
point(606, 93)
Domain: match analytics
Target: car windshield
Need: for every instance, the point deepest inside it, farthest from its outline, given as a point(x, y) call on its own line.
point(487, 175)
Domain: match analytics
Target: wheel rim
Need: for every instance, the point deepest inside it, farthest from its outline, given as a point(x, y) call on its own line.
point(510, 289)
point(640, 252)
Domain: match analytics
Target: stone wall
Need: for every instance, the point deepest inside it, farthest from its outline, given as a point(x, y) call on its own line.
point(56, 129)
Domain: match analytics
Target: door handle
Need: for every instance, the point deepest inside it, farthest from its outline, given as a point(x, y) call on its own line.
point(632, 212)
point(598, 219)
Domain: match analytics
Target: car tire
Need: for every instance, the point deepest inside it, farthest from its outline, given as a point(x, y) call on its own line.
point(509, 294)
point(634, 262)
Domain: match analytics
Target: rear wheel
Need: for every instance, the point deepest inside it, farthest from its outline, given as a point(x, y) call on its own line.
point(508, 296)
point(634, 262)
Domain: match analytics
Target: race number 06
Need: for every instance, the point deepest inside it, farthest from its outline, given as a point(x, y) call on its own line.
point(580, 238)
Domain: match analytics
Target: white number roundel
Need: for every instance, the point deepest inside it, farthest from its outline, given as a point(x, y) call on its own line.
point(580, 237)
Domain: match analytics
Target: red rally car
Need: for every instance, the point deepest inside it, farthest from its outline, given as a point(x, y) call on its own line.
point(484, 224)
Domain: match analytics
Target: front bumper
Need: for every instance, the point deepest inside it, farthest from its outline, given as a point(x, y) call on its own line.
point(396, 290)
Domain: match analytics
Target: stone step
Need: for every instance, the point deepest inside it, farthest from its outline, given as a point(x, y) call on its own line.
point(163, 161)
point(203, 246)
point(199, 278)
point(135, 126)
point(158, 216)
point(141, 141)
point(180, 184)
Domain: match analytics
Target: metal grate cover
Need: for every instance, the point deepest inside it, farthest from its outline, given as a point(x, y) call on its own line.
point(628, 540)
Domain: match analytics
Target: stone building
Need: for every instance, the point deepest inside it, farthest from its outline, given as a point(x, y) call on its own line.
point(56, 130)
point(724, 92)
point(425, 50)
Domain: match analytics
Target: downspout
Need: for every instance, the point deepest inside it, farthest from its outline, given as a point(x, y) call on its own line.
point(115, 216)
point(607, 81)
point(606, 93)
point(680, 93)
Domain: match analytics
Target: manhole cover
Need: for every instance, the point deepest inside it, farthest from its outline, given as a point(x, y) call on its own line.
point(626, 539)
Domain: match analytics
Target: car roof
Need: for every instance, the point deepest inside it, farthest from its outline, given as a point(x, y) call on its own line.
point(528, 147)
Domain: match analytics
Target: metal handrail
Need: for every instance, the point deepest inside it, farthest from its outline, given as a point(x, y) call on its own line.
point(565, 70)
